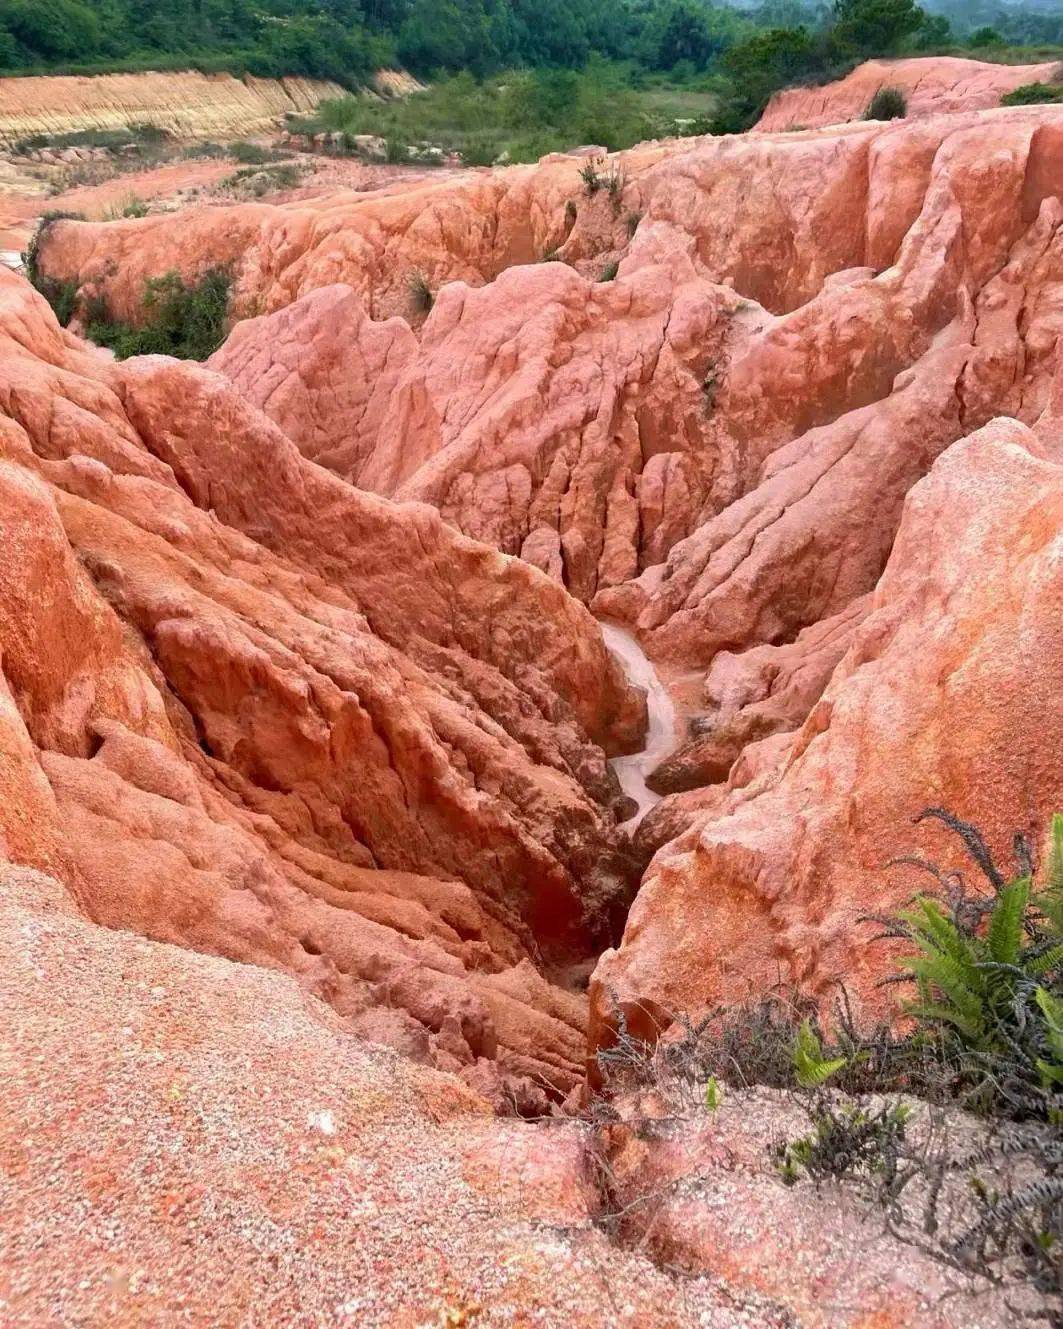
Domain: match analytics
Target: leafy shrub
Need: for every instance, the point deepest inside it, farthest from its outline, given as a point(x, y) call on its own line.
point(1033, 94)
point(188, 322)
point(988, 971)
point(251, 154)
point(887, 104)
point(62, 296)
point(609, 272)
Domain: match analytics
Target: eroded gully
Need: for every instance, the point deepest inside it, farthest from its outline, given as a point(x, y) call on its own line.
point(632, 771)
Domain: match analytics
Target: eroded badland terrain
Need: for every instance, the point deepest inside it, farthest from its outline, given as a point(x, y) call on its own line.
point(324, 894)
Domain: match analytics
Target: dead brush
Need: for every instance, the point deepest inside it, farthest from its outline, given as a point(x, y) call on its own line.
point(421, 295)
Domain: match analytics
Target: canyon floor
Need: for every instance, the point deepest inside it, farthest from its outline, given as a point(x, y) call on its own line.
point(538, 625)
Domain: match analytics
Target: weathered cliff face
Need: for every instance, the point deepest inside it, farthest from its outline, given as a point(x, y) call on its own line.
point(947, 697)
point(931, 85)
point(256, 711)
point(184, 104)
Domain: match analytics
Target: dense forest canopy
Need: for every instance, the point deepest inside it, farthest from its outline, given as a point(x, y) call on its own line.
point(345, 39)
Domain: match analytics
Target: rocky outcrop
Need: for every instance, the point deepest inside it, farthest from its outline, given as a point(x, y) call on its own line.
point(258, 712)
point(327, 374)
point(184, 104)
point(715, 446)
point(930, 84)
point(465, 228)
point(947, 697)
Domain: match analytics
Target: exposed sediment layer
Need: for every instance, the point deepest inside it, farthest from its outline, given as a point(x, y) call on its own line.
point(185, 104)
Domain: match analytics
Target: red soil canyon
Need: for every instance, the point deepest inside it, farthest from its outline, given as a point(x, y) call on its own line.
point(321, 875)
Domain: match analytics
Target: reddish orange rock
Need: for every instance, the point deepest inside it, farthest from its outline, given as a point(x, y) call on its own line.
point(930, 84)
point(255, 711)
point(947, 697)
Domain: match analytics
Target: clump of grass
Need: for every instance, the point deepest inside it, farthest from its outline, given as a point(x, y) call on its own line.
point(421, 296)
point(256, 181)
point(592, 180)
point(211, 150)
point(251, 154)
point(608, 273)
point(887, 104)
point(1033, 94)
point(614, 184)
point(134, 206)
point(631, 223)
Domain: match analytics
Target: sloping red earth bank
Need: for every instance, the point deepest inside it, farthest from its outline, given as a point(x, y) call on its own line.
point(253, 710)
point(931, 84)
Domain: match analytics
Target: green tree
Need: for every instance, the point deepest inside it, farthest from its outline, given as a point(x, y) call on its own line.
point(756, 68)
point(873, 27)
point(680, 31)
point(52, 29)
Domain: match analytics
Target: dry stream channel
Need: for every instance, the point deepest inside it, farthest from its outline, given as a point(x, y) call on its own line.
point(660, 734)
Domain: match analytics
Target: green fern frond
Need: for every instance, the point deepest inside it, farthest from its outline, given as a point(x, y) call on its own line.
point(1005, 931)
point(1052, 1009)
point(1050, 905)
point(1051, 1071)
point(964, 985)
point(1046, 963)
point(934, 932)
point(1050, 899)
point(1054, 867)
point(811, 1068)
point(936, 1013)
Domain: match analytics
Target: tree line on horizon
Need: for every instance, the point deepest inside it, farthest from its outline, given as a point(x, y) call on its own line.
point(750, 47)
